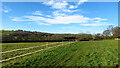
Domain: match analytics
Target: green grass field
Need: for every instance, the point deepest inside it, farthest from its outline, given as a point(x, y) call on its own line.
point(82, 53)
point(13, 46)
point(25, 45)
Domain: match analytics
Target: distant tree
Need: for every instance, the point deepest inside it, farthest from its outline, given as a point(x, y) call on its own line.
point(110, 27)
point(98, 36)
point(19, 30)
point(116, 32)
point(107, 33)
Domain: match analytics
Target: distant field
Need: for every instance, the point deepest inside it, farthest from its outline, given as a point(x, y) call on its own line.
point(82, 53)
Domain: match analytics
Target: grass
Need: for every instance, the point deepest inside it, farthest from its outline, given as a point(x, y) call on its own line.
point(17, 53)
point(13, 46)
point(83, 53)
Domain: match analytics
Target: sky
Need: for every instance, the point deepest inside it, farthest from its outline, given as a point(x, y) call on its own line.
point(59, 17)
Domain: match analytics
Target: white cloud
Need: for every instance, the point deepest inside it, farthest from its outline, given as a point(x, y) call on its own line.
point(72, 7)
point(96, 24)
point(33, 18)
point(48, 16)
point(55, 20)
point(49, 3)
point(37, 13)
point(79, 3)
point(68, 19)
point(68, 10)
point(83, 21)
point(56, 5)
point(99, 19)
point(6, 9)
point(20, 19)
point(43, 23)
point(58, 13)
point(61, 15)
point(61, 6)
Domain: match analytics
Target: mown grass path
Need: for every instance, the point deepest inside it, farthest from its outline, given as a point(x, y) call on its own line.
point(26, 48)
point(31, 52)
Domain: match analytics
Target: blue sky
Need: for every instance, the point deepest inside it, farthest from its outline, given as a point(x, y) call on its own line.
point(60, 17)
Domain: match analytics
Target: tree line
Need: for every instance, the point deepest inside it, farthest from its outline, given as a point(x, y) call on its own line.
point(29, 36)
